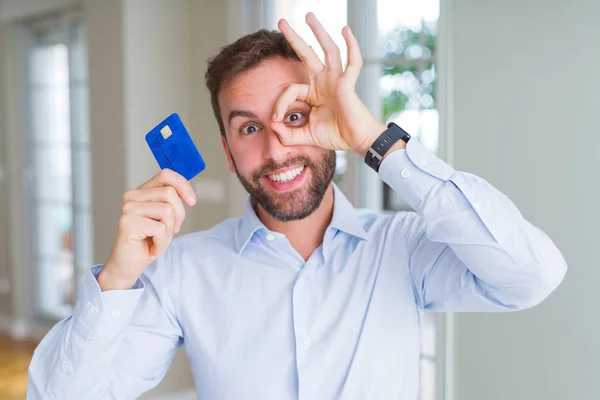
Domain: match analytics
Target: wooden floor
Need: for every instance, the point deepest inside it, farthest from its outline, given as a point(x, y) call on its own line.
point(14, 361)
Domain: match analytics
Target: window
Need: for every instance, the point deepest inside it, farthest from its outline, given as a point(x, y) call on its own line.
point(397, 84)
point(407, 33)
point(57, 143)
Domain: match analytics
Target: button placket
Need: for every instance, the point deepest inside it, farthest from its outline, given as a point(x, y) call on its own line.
point(300, 327)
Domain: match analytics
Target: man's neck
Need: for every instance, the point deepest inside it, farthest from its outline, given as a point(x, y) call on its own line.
point(304, 235)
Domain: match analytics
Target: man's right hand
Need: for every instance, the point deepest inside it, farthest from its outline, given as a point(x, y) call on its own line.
point(151, 215)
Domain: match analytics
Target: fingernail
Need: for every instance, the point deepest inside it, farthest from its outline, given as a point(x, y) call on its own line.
point(192, 199)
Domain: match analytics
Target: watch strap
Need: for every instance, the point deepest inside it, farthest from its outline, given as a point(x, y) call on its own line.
point(383, 144)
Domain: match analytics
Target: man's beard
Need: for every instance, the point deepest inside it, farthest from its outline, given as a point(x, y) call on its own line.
point(298, 203)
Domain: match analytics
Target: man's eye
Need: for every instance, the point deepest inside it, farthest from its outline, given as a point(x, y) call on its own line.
point(293, 117)
point(248, 129)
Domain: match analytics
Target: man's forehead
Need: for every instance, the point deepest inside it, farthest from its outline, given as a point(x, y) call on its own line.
point(267, 80)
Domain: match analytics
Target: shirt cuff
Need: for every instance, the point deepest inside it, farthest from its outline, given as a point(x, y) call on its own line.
point(414, 172)
point(104, 315)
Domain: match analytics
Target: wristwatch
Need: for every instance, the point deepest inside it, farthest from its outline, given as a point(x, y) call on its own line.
point(383, 143)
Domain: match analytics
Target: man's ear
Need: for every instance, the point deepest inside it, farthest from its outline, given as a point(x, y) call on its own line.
point(227, 153)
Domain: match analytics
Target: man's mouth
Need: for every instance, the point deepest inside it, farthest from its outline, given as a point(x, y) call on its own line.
point(287, 175)
point(286, 179)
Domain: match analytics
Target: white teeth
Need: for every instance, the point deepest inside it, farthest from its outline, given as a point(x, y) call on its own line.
point(286, 176)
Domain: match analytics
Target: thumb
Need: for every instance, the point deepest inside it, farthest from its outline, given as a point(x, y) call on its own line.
point(293, 136)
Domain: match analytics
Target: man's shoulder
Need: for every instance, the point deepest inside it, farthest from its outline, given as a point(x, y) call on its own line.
point(372, 219)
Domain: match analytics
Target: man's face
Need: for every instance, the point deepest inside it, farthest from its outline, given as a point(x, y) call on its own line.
point(289, 182)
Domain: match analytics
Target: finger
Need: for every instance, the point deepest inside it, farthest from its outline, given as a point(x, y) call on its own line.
point(158, 232)
point(163, 212)
point(303, 50)
point(355, 61)
point(333, 60)
point(166, 194)
point(136, 227)
point(292, 136)
point(160, 243)
point(294, 92)
point(168, 177)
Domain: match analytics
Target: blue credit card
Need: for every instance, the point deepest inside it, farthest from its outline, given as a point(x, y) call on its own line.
point(173, 147)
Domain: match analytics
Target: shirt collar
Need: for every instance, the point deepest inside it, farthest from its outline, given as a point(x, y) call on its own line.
point(345, 218)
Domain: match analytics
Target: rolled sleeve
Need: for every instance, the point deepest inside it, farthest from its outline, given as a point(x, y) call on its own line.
point(102, 315)
point(414, 172)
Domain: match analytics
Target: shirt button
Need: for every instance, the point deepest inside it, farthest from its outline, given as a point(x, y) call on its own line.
point(423, 160)
point(115, 313)
point(306, 341)
point(405, 174)
point(270, 237)
point(66, 366)
point(93, 309)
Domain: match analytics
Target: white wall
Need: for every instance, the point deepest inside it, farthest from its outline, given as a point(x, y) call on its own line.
point(526, 101)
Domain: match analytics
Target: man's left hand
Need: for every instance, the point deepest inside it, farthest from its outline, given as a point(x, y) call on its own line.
point(338, 120)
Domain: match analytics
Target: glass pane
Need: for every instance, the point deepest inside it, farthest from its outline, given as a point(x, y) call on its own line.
point(54, 260)
point(341, 164)
point(56, 292)
point(331, 13)
point(50, 94)
point(54, 224)
point(405, 13)
point(407, 46)
point(53, 174)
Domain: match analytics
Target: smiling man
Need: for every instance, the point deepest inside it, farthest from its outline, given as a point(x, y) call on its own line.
point(304, 296)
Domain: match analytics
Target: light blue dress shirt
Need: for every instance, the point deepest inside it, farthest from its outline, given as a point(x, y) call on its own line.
point(258, 322)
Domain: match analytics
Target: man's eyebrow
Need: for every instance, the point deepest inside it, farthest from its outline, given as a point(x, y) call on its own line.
point(240, 113)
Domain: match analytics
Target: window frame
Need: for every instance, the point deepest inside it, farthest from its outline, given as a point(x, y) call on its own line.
point(64, 22)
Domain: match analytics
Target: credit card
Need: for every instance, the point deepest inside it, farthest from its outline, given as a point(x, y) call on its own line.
point(173, 147)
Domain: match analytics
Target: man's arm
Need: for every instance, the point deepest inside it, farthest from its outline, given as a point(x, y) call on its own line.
point(117, 344)
point(470, 248)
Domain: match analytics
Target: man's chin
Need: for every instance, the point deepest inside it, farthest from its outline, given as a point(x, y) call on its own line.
point(287, 206)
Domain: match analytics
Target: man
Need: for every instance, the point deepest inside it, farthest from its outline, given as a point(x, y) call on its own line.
point(304, 296)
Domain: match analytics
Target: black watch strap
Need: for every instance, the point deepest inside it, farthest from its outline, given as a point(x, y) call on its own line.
point(383, 143)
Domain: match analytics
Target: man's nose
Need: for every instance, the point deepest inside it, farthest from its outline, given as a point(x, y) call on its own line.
point(272, 148)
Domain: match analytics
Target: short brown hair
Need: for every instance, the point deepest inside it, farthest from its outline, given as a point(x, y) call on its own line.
point(240, 56)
